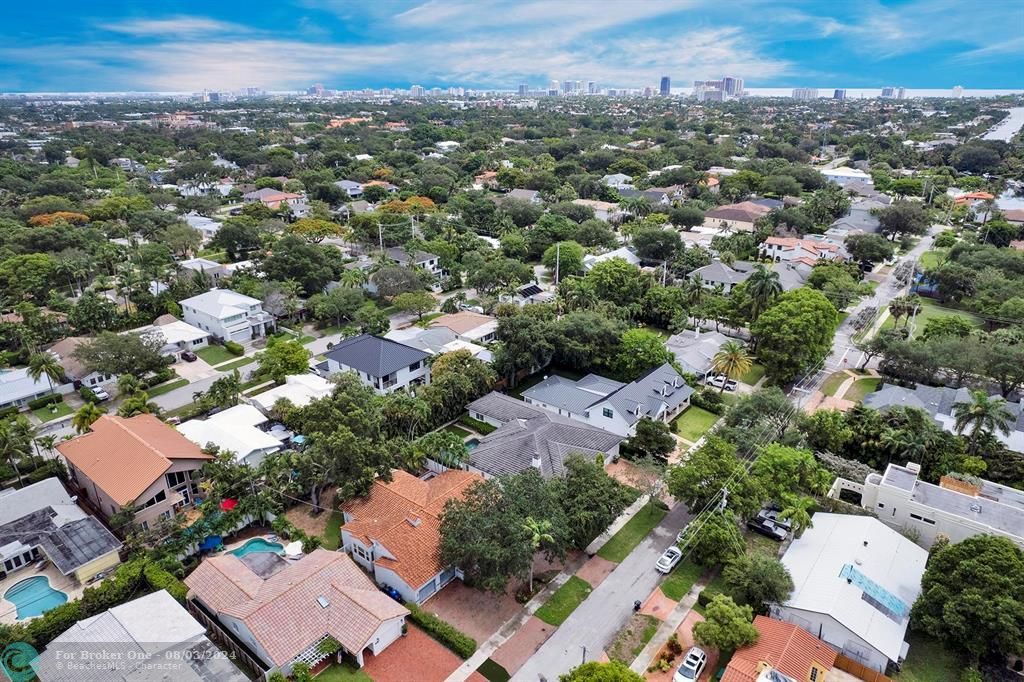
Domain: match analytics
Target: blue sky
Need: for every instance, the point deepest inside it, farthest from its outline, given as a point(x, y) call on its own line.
point(173, 45)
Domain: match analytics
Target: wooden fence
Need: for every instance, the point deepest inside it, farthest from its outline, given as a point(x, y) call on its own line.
point(860, 670)
point(224, 638)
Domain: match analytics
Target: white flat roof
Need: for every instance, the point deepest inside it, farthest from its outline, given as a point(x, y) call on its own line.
point(221, 303)
point(299, 389)
point(234, 430)
point(841, 560)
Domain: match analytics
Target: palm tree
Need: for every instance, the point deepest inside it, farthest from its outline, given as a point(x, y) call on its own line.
point(732, 360)
point(86, 415)
point(127, 384)
point(638, 206)
point(13, 446)
point(763, 286)
point(40, 364)
point(540, 534)
point(353, 278)
point(983, 414)
point(694, 290)
point(48, 443)
point(797, 511)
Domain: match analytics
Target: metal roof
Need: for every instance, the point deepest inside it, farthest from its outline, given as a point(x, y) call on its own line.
point(375, 355)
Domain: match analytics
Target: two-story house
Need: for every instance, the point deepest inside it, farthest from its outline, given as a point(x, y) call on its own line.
point(228, 315)
point(273, 198)
point(350, 187)
point(786, 249)
point(139, 462)
point(421, 259)
point(178, 337)
point(384, 365)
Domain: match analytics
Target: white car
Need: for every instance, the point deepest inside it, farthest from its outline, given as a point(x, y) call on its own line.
point(668, 560)
point(692, 665)
point(719, 380)
point(100, 393)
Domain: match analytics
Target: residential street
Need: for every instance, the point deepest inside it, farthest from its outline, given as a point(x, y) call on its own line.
point(594, 623)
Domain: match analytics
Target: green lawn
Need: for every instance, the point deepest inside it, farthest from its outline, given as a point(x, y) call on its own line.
point(760, 544)
point(240, 362)
point(833, 383)
point(289, 335)
point(332, 534)
point(928, 661)
point(681, 579)
point(457, 430)
point(427, 319)
point(929, 310)
point(693, 423)
point(753, 375)
point(564, 601)
point(214, 354)
point(166, 387)
point(663, 333)
point(629, 536)
point(933, 258)
point(344, 672)
point(861, 388)
point(51, 412)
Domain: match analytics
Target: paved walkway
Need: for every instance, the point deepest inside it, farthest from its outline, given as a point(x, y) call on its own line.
point(668, 625)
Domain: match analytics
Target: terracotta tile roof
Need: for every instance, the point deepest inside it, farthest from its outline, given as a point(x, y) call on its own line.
point(284, 613)
point(65, 350)
point(786, 647)
point(123, 457)
point(462, 322)
point(403, 517)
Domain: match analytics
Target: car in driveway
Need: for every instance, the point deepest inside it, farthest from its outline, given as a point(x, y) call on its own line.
point(772, 514)
point(189, 356)
point(720, 380)
point(768, 528)
point(668, 559)
point(100, 393)
point(692, 666)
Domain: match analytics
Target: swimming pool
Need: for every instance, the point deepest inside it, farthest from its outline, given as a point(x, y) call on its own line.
point(34, 597)
point(258, 545)
point(472, 443)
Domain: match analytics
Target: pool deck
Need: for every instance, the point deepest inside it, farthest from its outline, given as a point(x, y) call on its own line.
point(68, 585)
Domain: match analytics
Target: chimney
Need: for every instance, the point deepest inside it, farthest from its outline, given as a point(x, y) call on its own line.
point(535, 462)
point(913, 467)
point(957, 484)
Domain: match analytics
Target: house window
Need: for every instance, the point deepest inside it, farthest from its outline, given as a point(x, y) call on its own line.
point(414, 366)
point(915, 517)
point(607, 413)
point(176, 478)
point(814, 674)
point(881, 505)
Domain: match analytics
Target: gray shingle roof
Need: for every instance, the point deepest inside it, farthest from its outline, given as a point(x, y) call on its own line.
point(718, 272)
point(570, 395)
point(660, 390)
point(503, 408)
point(374, 355)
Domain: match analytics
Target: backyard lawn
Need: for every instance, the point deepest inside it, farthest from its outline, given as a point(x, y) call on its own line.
point(331, 539)
point(681, 579)
point(861, 388)
point(753, 375)
point(343, 672)
point(44, 414)
point(933, 258)
point(215, 354)
point(629, 536)
point(240, 362)
point(693, 423)
point(457, 430)
point(929, 310)
point(564, 601)
point(928, 661)
point(166, 387)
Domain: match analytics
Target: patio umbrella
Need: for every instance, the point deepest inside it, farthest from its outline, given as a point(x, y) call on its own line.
point(293, 549)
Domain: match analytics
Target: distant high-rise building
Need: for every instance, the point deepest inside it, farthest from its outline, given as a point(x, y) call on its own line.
point(805, 94)
point(958, 91)
point(888, 92)
point(523, 89)
point(733, 86)
point(901, 93)
point(316, 90)
point(591, 88)
point(553, 85)
point(839, 94)
point(719, 90)
point(666, 86)
point(416, 91)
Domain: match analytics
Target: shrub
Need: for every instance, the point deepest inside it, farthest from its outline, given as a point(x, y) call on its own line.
point(234, 348)
point(88, 396)
point(459, 642)
point(706, 595)
point(160, 579)
point(8, 412)
point(44, 401)
point(483, 428)
point(708, 399)
point(53, 467)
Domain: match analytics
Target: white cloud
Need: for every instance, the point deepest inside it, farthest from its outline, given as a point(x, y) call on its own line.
point(175, 26)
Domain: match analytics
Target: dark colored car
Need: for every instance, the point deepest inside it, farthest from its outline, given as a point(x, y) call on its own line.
point(767, 528)
point(189, 356)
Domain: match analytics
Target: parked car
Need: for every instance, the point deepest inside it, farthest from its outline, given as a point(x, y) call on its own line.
point(189, 356)
point(767, 528)
point(692, 665)
point(668, 560)
point(100, 393)
point(719, 380)
point(772, 515)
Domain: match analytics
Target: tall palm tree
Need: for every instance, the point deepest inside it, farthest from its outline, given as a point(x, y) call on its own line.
point(13, 446)
point(694, 290)
point(48, 443)
point(638, 206)
point(45, 364)
point(732, 360)
point(763, 286)
point(797, 510)
point(540, 534)
point(983, 414)
point(353, 278)
point(86, 415)
point(127, 384)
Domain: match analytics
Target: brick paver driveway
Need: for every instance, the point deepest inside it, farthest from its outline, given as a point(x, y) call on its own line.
point(416, 656)
point(477, 613)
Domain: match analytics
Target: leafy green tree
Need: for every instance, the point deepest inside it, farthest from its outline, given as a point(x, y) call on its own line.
point(656, 243)
point(372, 320)
point(500, 275)
point(903, 218)
point(595, 671)
point(85, 416)
point(710, 468)
point(726, 625)
point(869, 247)
point(732, 360)
point(238, 237)
point(418, 302)
point(337, 305)
point(617, 281)
point(827, 204)
point(652, 439)
point(116, 354)
point(946, 325)
point(565, 257)
point(756, 579)
point(713, 538)
point(526, 342)
point(781, 470)
point(641, 351)
point(586, 340)
point(795, 333)
point(972, 597)
point(686, 217)
point(282, 358)
point(589, 497)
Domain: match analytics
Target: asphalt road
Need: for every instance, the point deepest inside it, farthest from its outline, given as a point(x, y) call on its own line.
point(596, 621)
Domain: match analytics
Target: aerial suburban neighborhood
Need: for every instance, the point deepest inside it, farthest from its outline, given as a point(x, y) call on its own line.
point(557, 381)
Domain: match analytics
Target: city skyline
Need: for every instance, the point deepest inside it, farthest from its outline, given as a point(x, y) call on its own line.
point(287, 46)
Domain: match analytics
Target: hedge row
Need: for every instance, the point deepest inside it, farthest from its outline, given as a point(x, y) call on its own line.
point(45, 400)
point(706, 595)
point(445, 633)
point(483, 428)
point(234, 348)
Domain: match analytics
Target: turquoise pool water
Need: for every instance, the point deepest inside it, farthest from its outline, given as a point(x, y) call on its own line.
point(472, 443)
point(258, 545)
point(34, 597)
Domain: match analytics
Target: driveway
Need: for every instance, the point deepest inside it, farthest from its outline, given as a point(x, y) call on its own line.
point(477, 613)
point(596, 621)
point(195, 370)
point(415, 656)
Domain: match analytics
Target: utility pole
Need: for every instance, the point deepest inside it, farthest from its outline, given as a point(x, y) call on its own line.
point(380, 235)
point(558, 260)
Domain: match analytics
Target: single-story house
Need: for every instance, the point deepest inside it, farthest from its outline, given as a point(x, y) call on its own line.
point(694, 352)
point(42, 521)
point(529, 436)
point(784, 649)
point(382, 364)
point(207, 227)
point(394, 532)
point(855, 580)
point(660, 395)
point(792, 275)
point(618, 181)
point(284, 610)
point(17, 388)
point(74, 370)
point(529, 293)
point(437, 340)
point(603, 210)
point(530, 195)
point(237, 430)
point(623, 253)
point(298, 389)
point(717, 274)
point(149, 639)
point(740, 217)
point(272, 198)
point(178, 336)
point(469, 326)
